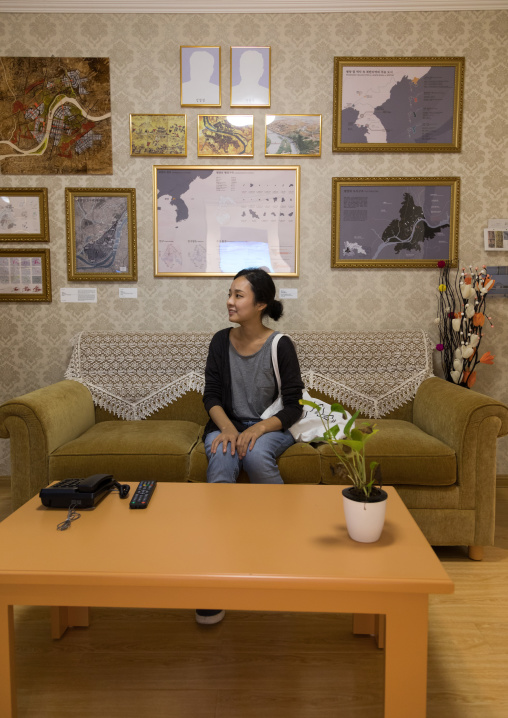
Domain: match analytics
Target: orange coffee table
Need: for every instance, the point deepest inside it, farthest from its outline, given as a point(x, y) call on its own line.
point(248, 547)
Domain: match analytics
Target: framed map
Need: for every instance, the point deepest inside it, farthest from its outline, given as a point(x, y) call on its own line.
point(225, 136)
point(395, 221)
point(398, 104)
point(55, 116)
point(214, 221)
point(25, 275)
point(24, 214)
point(295, 135)
point(101, 234)
point(200, 78)
point(158, 135)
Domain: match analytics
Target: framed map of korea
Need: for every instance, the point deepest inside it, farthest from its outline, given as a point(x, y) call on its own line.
point(398, 104)
point(216, 220)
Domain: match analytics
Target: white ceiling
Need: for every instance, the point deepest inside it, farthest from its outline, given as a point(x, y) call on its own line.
point(246, 6)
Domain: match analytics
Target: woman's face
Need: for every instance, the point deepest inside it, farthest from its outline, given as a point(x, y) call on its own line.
point(241, 304)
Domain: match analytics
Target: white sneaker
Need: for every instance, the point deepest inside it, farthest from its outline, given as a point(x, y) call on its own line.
point(208, 617)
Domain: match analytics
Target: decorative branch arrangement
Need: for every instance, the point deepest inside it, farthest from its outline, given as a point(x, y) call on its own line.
point(461, 316)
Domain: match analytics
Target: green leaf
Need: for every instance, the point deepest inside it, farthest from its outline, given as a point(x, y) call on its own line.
point(374, 465)
point(355, 445)
point(334, 430)
point(350, 423)
point(358, 435)
point(338, 407)
point(310, 403)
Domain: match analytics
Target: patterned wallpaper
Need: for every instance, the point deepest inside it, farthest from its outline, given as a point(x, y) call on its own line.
point(144, 55)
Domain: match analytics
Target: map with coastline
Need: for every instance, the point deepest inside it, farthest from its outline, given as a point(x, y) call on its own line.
point(293, 135)
point(102, 235)
point(55, 115)
point(399, 222)
point(225, 136)
point(221, 220)
point(397, 104)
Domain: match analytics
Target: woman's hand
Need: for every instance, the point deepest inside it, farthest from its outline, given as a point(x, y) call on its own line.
point(248, 438)
point(227, 436)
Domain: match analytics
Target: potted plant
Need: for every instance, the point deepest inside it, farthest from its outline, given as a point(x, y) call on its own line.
point(364, 503)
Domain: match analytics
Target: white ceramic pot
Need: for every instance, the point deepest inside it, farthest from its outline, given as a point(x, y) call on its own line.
point(364, 519)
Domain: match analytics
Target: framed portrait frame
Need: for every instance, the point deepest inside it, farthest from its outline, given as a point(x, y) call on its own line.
point(25, 275)
point(225, 136)
point(395, 221)
point(24, 214)
point(398, 104)
point(101, 234)
point(156, 135)
point(293, 135)
point(211, 221)
point(200, 76)
point(250, 76)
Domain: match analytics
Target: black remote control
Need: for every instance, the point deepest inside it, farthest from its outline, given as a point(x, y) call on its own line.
point(142, 495)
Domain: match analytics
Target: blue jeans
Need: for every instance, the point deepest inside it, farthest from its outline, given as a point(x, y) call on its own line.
point(259, 462)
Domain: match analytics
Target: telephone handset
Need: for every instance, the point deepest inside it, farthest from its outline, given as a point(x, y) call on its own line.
point(82, 493)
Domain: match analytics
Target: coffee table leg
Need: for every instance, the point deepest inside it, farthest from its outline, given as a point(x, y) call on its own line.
point(406, 657)
point(8, 706)
point(64, 617)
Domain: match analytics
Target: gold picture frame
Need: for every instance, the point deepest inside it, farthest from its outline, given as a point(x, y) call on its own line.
point(25, 275)
point(247, 216)
point(101, 234)
point(250, 76)
point(200, 76)
point(225, 136)
point(398, 104)
point(24, 214)
point(293, 135)
point(403, 222)
point(158, 135)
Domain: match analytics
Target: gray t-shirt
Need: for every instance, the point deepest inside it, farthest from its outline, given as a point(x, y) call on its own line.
point(252, 381)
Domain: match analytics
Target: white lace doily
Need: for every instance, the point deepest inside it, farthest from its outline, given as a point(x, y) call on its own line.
point(133, 374)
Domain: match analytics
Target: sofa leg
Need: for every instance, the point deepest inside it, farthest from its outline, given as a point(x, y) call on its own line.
point(475, 552)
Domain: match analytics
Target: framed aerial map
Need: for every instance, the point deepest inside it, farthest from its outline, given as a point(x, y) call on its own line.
point(25, 275)
point(24, 214)
point(398, 104)
point(101, 234)
point(296, 135)
point(55, 116)
point(395, 221)
point(158, 135)
point(225, 136)
point(216, 220)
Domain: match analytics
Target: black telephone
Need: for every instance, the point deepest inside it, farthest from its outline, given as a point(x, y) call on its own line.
point(81, 492)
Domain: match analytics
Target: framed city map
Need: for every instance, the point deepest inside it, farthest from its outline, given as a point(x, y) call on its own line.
point(158, 135)
point(25, 275)
point(24, 214)
point(55, 116)
point(296, 135)
point(216, 220)
point(225, 136)
point(398, 104)
point(101, 234)
point(395, 221)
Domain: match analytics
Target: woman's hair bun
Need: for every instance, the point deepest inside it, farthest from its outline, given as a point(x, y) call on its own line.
point(275, 309)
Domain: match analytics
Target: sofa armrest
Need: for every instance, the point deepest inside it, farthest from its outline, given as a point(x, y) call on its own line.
point(469, 423)
point(37, 424)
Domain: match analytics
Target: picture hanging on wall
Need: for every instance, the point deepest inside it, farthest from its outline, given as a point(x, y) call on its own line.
point(250, 76)
point(24, 214)
point(295, 135)
point(101, 234)
point(225, 136)
point(25, 275)
point(215, 220)
point(158, 135)
point(395, 221)
point(200, 76)
point(398, 104)
point(55, 116)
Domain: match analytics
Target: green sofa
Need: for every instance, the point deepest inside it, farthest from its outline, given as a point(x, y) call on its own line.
point(438, 449)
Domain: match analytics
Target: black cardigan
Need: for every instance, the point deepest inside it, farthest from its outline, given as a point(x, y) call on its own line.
point(218, 381)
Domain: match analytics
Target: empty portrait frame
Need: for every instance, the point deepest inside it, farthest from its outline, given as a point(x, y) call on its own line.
point(250, 76)
point(200, 76)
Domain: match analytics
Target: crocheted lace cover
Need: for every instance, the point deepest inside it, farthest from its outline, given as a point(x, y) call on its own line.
point(133, 374)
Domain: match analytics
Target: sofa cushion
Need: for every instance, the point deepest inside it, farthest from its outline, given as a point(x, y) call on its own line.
point(407, 456)
point(130, 450)
point(300, 464)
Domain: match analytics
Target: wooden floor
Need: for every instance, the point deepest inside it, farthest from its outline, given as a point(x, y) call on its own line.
point(161, 664)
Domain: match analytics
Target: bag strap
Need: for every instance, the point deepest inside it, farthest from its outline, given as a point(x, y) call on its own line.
point(275, 361)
